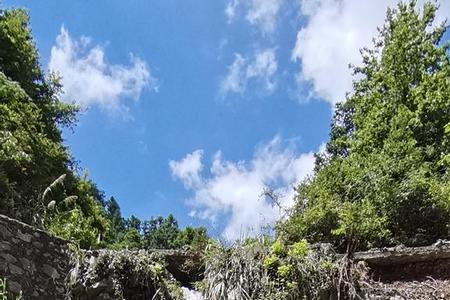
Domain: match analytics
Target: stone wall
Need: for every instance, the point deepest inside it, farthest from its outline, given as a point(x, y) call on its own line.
point(408, 264)
point(32, 261)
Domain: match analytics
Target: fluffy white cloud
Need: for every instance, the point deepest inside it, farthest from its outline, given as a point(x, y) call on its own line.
point(261, 13)
point(261, 69)
point(232, 190)
point(334, 32)
point(188, 169)
point(89, 80)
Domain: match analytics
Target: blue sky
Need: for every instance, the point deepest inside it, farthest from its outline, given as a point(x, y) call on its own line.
point(192, 107)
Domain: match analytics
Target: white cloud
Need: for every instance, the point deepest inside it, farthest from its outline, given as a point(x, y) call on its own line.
point(230, 10)
point(261, 69)
point(264, 67)
point(89, 80)
point(232, 190)
point(188, 169)
point(261, 13)
point(235, 80)
point(334, 32)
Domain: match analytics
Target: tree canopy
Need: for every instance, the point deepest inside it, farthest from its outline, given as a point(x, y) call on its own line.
point(384, 176)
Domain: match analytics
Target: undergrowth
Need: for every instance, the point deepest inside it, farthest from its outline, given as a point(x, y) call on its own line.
point(258, 270)
point(129, 274)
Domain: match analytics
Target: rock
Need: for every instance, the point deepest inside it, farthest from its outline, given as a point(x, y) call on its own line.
point(9, 258)
point(15, 270)
point(50, 271)
point(24, 236)
point(28, 262)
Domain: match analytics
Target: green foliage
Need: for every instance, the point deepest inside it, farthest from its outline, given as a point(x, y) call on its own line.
point(114, 214)
point(73, 225)
point(278, 271)
point(81, 219)
point(134, 275)
point(32, 155)
point(299, 250)
point(164, 233)
point(235, 272)
point(384, 176)
point(277, 247)
point(28, 156)
point(129, 239)
point(31, 149)
point(194, 237)
point(270, 261)
point(161, 233)
point(157, 233)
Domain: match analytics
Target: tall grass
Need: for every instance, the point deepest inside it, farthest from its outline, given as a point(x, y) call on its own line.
point(257, 270)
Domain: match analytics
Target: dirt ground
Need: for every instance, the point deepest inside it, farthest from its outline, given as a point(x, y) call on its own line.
point(412, 290)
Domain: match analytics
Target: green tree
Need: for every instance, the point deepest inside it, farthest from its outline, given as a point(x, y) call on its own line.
point(114, 215)
point(161, 233)
point(194, 237)
point(384, 176)
point(164, 233)
point(129, 239)
point(84, 219)
point(31, 149)
point(32, 154)
point(134, 222)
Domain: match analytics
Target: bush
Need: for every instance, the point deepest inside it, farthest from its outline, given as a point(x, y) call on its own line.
point(259, 271)
point(129, 275)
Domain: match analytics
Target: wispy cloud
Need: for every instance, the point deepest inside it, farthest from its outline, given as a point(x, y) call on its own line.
point(259, 70)
point(230, 10)
point(334, 32)
point(264, 13)
point(232, 190)
point(88, 79)
point(261, 13)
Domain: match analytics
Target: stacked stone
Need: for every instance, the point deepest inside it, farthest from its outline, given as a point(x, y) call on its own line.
point(32, 262)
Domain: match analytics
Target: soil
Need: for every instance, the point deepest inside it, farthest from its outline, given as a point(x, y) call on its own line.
point(411, 290)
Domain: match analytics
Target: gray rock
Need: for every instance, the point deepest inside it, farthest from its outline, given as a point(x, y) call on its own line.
point(15, 270)
point(24, 236)
point(4, 246)
point(50, 271)
point(8, 258)
point(14, 287)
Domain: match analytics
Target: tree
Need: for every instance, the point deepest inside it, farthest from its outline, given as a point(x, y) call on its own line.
point(164, 233)
point(31, 149)
point(32, 153)
point(194, 237)
point(83, 220)
point(32, 156)
point(161, 233)
point(114, 214)
point(384, 176)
